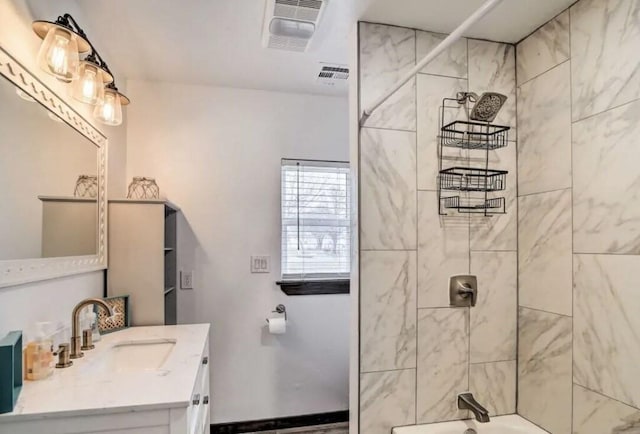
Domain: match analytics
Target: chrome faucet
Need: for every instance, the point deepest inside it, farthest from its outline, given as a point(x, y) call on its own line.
point(76, 334)
point(466, 401)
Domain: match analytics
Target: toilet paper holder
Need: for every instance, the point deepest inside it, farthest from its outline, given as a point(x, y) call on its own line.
point(279, 309)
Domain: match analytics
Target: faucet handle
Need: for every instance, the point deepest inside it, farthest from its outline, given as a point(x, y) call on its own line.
point(87, 340)
point(465, 291)
point(63, 356)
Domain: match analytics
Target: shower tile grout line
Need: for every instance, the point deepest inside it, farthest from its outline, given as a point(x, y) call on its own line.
point(492, 361)
point(381, 371)
point(415, 105)
point(468, 236)
point(573, 383)
point(359, 158)
point(570, 60)
point(593, 115)
point(517, 205)
point(445, 76)
point(555, 190)
point(605, 254)
point(388, 250)
point(544, 72)
point(546, 311)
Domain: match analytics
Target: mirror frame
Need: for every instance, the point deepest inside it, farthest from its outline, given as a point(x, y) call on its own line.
point(20, 271)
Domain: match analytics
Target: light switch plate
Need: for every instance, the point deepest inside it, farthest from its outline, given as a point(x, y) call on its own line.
point(186, 279)
point(261, 264)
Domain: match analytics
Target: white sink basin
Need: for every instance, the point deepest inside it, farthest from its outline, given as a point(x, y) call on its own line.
point(137, 356)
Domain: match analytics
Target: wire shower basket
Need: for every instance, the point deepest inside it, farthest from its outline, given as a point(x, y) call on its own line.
point(471, 135)
point(474, 135)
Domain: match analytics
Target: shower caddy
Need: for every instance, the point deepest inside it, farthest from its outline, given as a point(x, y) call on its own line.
point(471, 136)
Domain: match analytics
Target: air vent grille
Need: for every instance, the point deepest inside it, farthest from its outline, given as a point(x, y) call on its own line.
point(300, 10)
point(332, 74)
point(313, 4)
point(284, 43)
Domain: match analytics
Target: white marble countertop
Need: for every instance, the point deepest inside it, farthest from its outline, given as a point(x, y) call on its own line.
point(85, 389)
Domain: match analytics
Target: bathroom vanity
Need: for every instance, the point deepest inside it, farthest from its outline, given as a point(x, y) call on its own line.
point(142, 380)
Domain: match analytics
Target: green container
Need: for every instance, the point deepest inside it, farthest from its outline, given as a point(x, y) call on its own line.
point(10, 370)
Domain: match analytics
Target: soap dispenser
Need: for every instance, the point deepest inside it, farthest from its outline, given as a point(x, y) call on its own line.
point(39, 362)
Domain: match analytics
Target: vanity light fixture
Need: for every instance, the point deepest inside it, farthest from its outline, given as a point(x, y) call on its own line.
point(91, 79)
point(109, 112)
point(59, 53)
point(89, 87)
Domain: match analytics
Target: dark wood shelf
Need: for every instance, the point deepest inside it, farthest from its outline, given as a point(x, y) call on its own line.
point(314, 287)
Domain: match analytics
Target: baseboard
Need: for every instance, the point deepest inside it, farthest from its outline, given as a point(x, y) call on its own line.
point(281, 423)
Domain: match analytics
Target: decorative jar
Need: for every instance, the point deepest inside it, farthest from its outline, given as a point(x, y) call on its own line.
point(143, 188)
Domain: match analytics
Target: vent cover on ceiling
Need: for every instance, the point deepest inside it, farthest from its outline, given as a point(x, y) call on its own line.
point(308, 11)
point(332, 74)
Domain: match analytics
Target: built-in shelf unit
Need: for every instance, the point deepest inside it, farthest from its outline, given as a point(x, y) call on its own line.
point(143, 258)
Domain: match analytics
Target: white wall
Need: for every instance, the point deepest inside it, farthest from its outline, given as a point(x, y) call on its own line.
point(216, 153)
point(50, 300)
point(21, 306)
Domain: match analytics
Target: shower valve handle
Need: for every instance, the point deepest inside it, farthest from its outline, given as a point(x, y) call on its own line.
point(467, 291)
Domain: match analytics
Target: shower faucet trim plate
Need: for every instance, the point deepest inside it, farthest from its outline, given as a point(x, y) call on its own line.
point(463, 291)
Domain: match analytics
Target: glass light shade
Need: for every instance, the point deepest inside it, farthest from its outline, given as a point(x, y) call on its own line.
point(109, 112)
point(89, 87)
point(58, 54)
point(54, 117)
point(24, 95)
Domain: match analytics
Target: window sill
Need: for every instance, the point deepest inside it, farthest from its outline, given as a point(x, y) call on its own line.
point(314, 287)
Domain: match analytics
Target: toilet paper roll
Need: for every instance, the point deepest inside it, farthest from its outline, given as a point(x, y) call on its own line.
point(277, 326)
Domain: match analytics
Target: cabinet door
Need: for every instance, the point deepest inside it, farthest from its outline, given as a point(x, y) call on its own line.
point(205, 407)
point(198, 412)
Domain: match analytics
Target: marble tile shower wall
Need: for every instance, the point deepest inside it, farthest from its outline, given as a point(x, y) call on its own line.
point(417, 353)
point(579, 220)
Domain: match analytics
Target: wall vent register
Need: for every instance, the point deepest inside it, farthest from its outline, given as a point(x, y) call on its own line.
point(332, 74)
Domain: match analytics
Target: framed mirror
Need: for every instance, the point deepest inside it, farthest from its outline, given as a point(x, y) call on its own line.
point(52, 183)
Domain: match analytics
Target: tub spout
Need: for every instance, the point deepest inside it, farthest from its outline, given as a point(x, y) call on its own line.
point(466, 401)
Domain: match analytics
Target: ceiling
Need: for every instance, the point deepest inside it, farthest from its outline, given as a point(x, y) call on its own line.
point(510, 21)
point(219, 42)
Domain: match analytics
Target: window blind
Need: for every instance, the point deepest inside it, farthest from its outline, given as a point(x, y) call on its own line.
point(316, 220)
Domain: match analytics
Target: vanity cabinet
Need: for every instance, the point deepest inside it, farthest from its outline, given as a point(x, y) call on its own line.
point(195, 418)
point(143, 259)
point(86, 399)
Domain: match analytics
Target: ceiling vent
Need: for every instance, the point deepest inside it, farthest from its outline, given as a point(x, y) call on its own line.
point(332, 74)
point(291, 24)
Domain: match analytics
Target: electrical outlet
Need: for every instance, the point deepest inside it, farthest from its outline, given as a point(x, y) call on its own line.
point(260, 264)
point(186, 279)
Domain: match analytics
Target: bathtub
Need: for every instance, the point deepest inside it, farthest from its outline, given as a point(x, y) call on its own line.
point(512, 424)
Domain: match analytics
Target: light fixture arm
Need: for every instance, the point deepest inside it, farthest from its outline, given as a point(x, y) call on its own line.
point(69, 22)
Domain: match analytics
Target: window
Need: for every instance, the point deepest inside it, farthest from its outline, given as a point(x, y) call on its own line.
point(316, 221)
